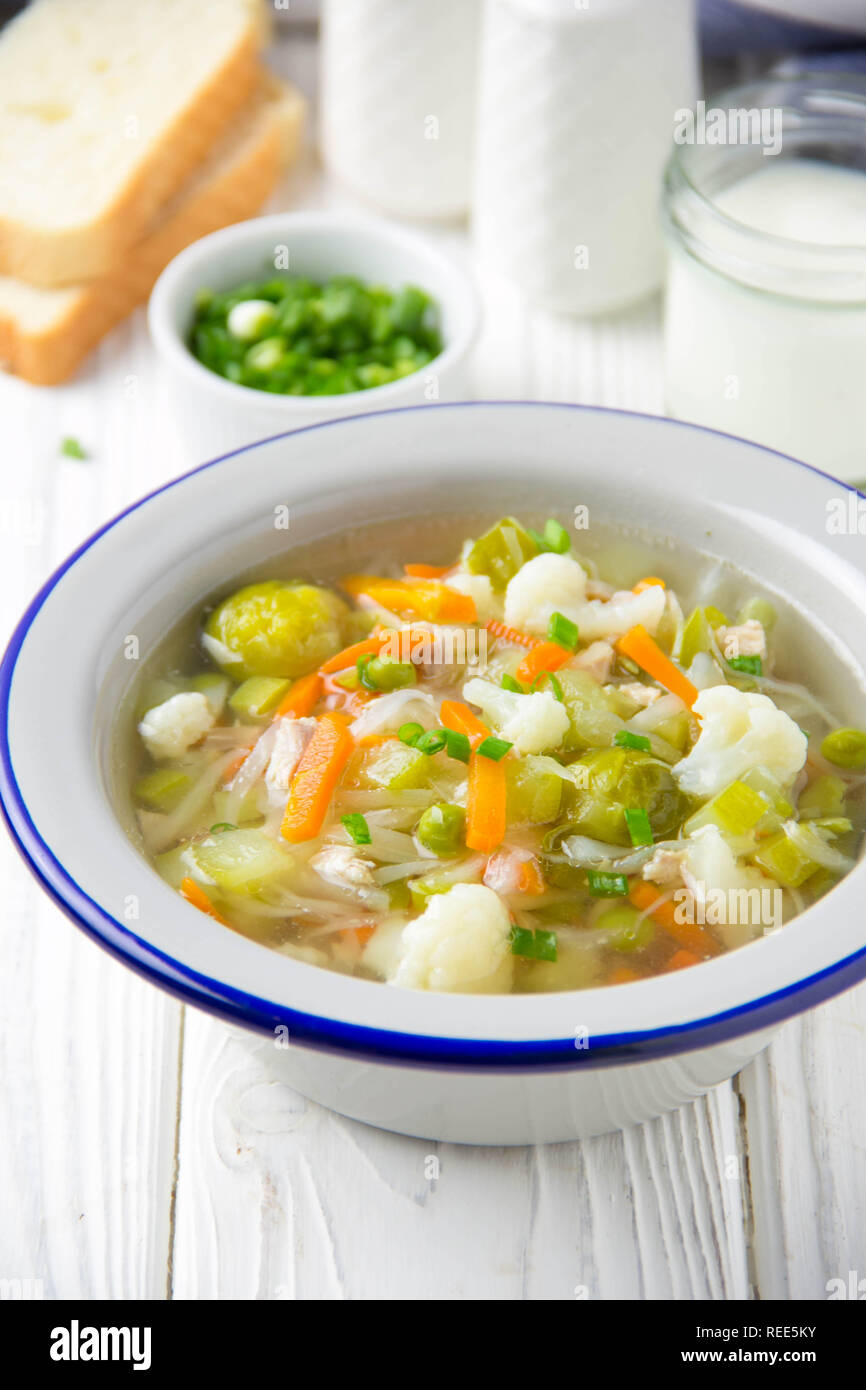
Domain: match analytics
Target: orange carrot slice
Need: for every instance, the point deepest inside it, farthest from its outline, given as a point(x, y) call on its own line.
point(455, 715)
point(425, 598)
point(681, 960)
point(190, 890)
point(646, 898)
point(317, 775)
point(651, 579)
point(301, 698)
point(547, 656)
point(371, 646)
point(426, 571)
point(642, 649)
point(486, 796)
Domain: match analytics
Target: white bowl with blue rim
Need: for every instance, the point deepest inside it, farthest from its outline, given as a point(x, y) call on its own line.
point(481, 1069)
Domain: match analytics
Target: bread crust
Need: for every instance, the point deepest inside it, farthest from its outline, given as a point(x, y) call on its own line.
point(50, 356)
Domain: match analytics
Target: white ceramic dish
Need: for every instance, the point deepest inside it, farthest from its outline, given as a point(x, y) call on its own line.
point(487, 1069)
point(215, 415)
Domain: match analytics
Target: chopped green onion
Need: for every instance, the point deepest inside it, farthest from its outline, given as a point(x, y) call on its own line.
point(509, 683)
point(493, 748)
point(457, 745)
point(533, 945)
point(554, 683)
point(410, 733)
point(357, 828)
point(221, 825)
point(555, 538)
point(602, 885)
point(639, 828)
point(73, 448)
point(432, 742)
point(624, 738)
point(562, 631)
point(751, 665)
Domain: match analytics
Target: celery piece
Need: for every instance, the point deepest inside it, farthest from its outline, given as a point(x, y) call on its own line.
point(834, 825)
point(501, 551)
point(162, 789)
point(215, 689)
point(393, 765)
point(258, 695)
point(675, 730)
point(437, 881)
point(248, 811)
point(738, 808)
point(533, 794)
point(823, 797)
point(174, 865)
point(697, 633)
point(628, 930)
point(242, 861)
point(758, 610)
point(399, 897)
point(593, 722)
point(784, 861)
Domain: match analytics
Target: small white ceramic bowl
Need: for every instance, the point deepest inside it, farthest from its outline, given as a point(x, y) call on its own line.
point(484, 1069)
point(215, 415)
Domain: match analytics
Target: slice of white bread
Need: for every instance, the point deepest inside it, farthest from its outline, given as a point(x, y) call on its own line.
point(45, 333)
point(105, 107)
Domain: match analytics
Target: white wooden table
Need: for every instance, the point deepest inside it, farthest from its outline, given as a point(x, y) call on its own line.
point(146, 1153)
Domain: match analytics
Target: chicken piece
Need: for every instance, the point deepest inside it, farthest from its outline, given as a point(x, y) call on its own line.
point(597, 659)
point(744, 639)
point(290, 740)
point(643, 695)
point(340, 866)
point(666, 866)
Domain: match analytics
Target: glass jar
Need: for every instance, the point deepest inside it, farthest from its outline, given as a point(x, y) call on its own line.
point(765, 309)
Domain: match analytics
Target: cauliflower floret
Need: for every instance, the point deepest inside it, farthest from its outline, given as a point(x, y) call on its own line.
point(545, 585)
point(479, 588)
point(621, 612)
point(533, 722)
point(733, 897)
point(290, 739)
point(739, 731)
point(170, 729)
point(460, 943)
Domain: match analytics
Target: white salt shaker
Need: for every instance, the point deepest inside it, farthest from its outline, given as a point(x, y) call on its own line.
point(398, 88)
point(577, 106)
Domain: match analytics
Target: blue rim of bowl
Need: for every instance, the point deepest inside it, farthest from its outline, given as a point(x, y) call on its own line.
point(332, 1035)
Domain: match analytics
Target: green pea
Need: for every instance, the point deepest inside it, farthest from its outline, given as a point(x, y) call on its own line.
point(440, 829)
point(383, 674)
point(845, 748)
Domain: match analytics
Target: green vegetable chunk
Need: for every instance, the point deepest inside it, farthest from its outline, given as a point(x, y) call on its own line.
point(440, 828)
point(617, 778)
point(258, 695)
point(823, 797)
point(533, 793)
point(534, 945)
point(628, 932)
point(276, 629)
point(393, 765)
point(845, 748)
point(242, 861)
point(163, 789)
point(381, 673)
point(501, 551)
point(593, 722)
point(604, 885)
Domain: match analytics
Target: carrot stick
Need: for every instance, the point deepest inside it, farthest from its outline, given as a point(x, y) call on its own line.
point(640, 647)
point(301, 698)
point(427, 598)
point(190, 890)
point(646, 898)
point(426, 571)
point(648, 583)
point(317, 775)
point(371, 646)
point(485, 804)
point(485, 801)
point(547, 656)
point(455, 715)
point(680, 960)
point(511, 634)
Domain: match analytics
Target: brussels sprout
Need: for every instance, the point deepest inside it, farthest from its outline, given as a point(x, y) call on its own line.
point(501, 551)
point(617, 778)
point(276, 629)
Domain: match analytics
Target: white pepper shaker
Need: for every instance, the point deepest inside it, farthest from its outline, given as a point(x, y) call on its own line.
point(398, 89)
point(577, 105)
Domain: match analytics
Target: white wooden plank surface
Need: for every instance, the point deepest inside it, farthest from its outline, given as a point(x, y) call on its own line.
point(149, 1150)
